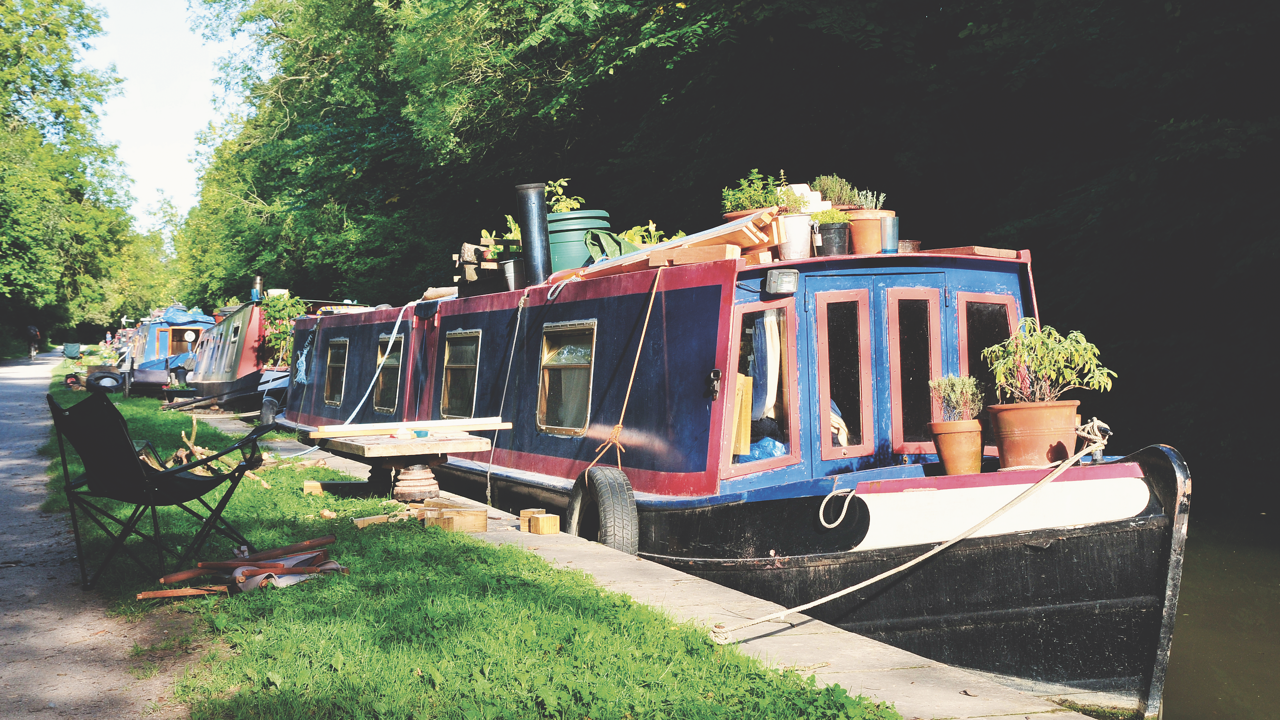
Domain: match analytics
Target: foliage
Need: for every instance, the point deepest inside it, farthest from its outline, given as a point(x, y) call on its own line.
point(557, 201)
point(1037, 364)
point(829, 217)
point(431, 623)
point(834, 189)
point(753, 192)
point(867, 200)
point(512, 233)
point(647, 235)
point(960, 397)
point(278, 313)
point(791, 201)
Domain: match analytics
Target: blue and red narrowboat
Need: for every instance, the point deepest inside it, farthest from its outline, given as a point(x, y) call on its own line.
point(759, 391)
point(163, 342)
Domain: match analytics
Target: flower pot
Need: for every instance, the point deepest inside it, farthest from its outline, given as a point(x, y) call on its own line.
point(835, 239)
point(739, 214)
point(798, 237)
point(864, 227)
point(1034, 433)
point(565, 233)
point(959, 445)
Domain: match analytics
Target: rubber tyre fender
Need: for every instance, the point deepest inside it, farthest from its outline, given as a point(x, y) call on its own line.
point(607, 491)
point(105, 381)
point(270, 409)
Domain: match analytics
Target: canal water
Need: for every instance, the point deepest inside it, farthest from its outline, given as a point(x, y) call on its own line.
point(1225, 660)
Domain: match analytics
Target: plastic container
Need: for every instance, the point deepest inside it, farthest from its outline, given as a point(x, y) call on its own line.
point(835, 239)
point(565, 232)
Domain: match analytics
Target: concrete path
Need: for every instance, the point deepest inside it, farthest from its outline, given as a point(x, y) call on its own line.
point(60, 655)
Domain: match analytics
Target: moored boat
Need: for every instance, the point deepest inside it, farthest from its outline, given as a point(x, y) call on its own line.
point(761, 391)
point(164, 342)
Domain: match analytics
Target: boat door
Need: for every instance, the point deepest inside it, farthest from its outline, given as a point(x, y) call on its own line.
point(877, 340)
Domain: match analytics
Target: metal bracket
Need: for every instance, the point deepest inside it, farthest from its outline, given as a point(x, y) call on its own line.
point(713, 383)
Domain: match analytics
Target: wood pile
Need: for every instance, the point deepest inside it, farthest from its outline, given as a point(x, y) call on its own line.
point(477, 265)
point(305, 558)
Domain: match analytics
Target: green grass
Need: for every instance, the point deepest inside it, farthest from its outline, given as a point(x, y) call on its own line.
point(434, 624)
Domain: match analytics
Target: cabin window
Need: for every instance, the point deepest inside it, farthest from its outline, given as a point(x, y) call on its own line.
point(233, 350)
point(564, 393)
point(461, 355)
point(986, 319)
point(386, 389)
point(915, 354)
point(162, 343)
point(844, 369)
point(335, 372)
point(762, 418)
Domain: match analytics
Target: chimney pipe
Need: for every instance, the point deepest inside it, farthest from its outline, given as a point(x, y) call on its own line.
point(533, 231)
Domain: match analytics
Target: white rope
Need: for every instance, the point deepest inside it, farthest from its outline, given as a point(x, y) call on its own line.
point(822, 517)
point(502, 403)
point(1095, 431)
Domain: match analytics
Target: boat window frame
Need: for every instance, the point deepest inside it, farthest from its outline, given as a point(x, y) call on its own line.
point(444, 372)
point(345, 363)
point(892, 297)
point(729, 469)
point(540, 417)
point(962, 318)
point(821, 299)
point(377, 381)
point(165, 344)
point(233, 347)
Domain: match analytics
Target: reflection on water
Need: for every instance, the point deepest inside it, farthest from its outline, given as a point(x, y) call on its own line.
point(1225, 661)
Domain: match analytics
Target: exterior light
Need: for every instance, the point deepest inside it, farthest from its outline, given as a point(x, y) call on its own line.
point(782, 282)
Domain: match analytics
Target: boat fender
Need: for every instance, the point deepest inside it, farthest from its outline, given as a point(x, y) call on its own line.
point(105, 381)
point(605, 493)
point(270, 408)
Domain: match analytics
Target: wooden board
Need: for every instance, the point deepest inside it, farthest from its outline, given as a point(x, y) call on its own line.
point(973, 250)
point(462, 425)
point(742, 416)
point(544, 524)
point(460, 520)
point(693, 255)
point(387, 447)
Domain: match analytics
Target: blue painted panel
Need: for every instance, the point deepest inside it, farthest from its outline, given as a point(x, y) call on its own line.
point(362, 362)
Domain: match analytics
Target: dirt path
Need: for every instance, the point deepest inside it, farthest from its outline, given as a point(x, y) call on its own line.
point(60, 655)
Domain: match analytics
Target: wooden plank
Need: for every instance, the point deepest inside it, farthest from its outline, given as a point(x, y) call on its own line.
point(526, 514)
point(444, 523)
point(973, 250)
point(760, 258)
point(182, 592)
point(237, 564)
point(294, 549)
point(184, 575)
point(693, 255)
point(435, 293)
point(311, 487)
point(742, 416)
point(468, 520)
point(384, 447)
point(731, 233)
point(462, 424)
point(544, 524)
point(365, 522)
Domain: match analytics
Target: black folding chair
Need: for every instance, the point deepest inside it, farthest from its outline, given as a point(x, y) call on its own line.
point(115, 470)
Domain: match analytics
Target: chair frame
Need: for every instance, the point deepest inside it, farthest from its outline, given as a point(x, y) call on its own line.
point(81, 500)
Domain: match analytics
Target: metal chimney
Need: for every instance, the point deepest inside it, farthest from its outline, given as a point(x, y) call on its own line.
point(533, 231)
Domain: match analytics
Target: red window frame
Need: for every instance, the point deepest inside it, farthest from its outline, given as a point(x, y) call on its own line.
point(895, 295)
point(830, 451)
point(963, 299)
point(729, 469)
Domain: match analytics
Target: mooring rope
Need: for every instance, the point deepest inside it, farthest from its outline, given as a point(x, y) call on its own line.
point(1095, 431)
point(502, 403)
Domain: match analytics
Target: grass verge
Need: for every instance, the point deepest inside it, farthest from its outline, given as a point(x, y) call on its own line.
point(432, 624)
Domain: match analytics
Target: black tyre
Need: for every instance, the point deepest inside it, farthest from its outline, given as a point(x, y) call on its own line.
point(270, 408)
point(603, 508)
point(105, 381)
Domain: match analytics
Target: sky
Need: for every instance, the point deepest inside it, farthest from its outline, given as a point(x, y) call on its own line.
point(168, 96)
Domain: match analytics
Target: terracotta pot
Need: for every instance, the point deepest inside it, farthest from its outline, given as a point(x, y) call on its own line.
point(739, 214)
point(864, 230)
point(1034, 433)
point(959, 446)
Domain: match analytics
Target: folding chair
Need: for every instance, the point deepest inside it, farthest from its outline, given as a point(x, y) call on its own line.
point(115, 470)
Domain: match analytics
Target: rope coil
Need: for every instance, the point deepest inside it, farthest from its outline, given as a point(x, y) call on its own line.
point(1094, 431)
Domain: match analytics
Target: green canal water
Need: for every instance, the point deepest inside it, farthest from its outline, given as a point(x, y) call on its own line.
point(1225, 661)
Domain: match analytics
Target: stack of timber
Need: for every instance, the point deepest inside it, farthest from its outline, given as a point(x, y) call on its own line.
point(478, 266)
point(304, 558)
point(751, 238)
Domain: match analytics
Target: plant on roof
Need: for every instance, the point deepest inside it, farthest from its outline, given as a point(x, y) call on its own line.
point(791, 201)
point(867, 200)
point(647, 235)
point(1037, 364)
point(753, 192)
point(512, 233)
point(278, 313)
point(960, 397)
point(830, 217)
point(557, 200)
point(835, 189)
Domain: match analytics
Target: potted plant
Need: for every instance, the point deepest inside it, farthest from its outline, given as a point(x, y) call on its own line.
point(797, 230)
point(754, 193)
point(833, 228)
point(566, 223)
point(1033, 368)
point(864, 221)
point(836, 190)
point(958, 437)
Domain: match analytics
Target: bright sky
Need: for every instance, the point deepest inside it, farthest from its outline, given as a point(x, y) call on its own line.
point(168, 96)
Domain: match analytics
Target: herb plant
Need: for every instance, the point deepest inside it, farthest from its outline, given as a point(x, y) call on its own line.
point(830, 217)
point(1037, 364)
point(835, 189)
point(753, 191)
point(557, 200)
point(791, 201)
point(960, 397)
point(867, 200)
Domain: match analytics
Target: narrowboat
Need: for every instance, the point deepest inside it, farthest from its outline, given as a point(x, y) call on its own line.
point(163, 342)
point(232, 359)
point(760, 390)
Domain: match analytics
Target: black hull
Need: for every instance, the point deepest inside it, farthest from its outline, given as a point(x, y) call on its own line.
point(240, 385)
point(1089, 607)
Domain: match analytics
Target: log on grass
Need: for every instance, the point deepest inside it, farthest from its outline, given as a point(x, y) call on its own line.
point(294, 549)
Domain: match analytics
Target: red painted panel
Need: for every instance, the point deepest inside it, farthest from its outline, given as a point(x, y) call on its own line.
point(829, 450)
point(998, 479)
point(895, 363)
point(649, 481)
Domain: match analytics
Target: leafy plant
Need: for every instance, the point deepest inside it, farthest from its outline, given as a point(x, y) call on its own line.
point(867, 200)
point(835, 189)
point(960, 397)
point(753, 191)
point(647, 235)
point(791, 201)
point(512, 233)
point(829, 217)
point(557, 200)
point(1037, 364)
point(278, 312)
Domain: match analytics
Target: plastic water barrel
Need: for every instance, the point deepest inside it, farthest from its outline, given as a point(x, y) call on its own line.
point(565, 231)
